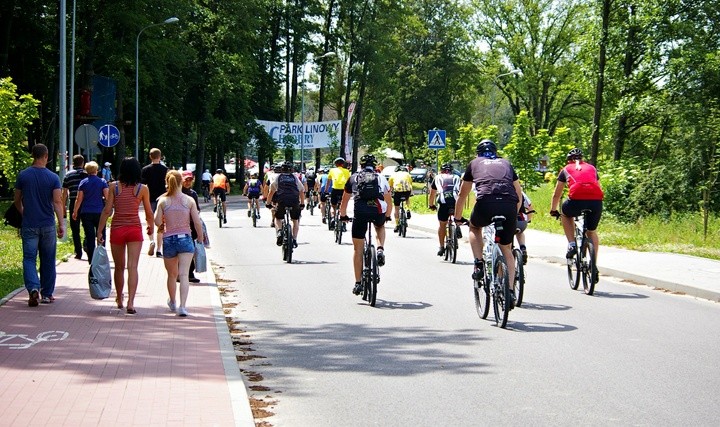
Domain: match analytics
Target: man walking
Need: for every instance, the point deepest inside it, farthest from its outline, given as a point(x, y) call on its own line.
point(107, 173)
point(153, 175)
point(70, 191)
point(37, 195)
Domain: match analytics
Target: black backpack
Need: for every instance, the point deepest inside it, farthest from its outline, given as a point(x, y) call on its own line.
point(368, 186)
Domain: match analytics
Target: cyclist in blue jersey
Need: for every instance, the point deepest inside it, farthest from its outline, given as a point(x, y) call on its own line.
point(253, 190)
point(320, 185)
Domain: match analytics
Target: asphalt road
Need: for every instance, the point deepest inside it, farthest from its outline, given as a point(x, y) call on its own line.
point(318, 355)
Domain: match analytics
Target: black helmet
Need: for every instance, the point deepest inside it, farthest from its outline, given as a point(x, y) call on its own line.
point(339, 160)
point(446, 167)
point(286, 167)
point(219, 171)
point(574, 154)
point(368, 160)
point(486, 145)
point(277, 167)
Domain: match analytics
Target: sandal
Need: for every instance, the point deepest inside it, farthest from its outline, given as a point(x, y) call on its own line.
point(118, 300)
point(131, 311)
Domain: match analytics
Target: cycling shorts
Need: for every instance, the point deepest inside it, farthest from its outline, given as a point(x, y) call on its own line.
point(219, 192)
point(206, 184)
point(445, 210)
point(483, 212)
point(399, 195)
point(336, 196)
point(361, 220)
point(573, 208)
point(125, 234)
point(323, 197)
point(253, 196)
point(294, 210)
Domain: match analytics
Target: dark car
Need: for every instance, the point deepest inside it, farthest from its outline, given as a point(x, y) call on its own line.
point(419, 174)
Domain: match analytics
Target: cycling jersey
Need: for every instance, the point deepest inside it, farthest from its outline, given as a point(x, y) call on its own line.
point(220, 181)
point(401, 181)
point(323, 182)
point(287, 189)
point(493, 179)
point(447, 186)
point(254, 187)
point(582, 181)
point(338, 176)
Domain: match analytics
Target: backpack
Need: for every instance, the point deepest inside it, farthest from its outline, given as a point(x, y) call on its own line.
point(254, 186)
point(368, 186)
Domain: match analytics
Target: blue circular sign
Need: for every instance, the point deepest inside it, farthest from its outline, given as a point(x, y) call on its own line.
point(108, 136)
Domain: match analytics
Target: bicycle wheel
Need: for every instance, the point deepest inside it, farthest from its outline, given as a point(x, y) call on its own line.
point(327, 215)
point(365, 275)
point(502, 290)
point(454, 243)
point(312, 208)
point(402, 232)
point(589, 268)
point(338, 232)
point(220, 214)
point(254, 217)
point(573, 271)
point(482, 298)
point(519, 277)
point(374, 278)
point(288, 242)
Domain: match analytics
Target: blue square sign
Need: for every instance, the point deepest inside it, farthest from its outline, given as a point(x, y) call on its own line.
point(436, 138)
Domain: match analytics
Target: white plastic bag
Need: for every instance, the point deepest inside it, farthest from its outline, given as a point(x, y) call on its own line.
point(100, 276)
point(200, 258)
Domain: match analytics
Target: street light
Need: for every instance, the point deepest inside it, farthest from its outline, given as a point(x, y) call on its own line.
point(171, 20)
point(302, 110)
point(492, 106)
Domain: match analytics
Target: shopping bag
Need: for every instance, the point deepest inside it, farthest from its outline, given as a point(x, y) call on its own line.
point(13, 217)
point(100, 276)
point(200, 258)
point(206, 238)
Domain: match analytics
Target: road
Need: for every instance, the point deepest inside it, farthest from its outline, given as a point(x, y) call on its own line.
point(318, 355)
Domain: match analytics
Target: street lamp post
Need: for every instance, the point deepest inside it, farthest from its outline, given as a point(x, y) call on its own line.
point(137, 80)
point(492, 106)
point(302, 111)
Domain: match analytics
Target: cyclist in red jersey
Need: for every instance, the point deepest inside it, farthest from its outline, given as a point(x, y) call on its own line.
point(584, 192)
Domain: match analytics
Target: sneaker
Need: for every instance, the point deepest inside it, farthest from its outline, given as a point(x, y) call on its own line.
point(34, 296)
point(510, 299)
point(158, 254)
point(407, 214)
point(332, 224)
point(396, 229)
point(279, 239)
point(357, 290)
point(151, 250)
point(214, 208)
point(381, 257)
point(524, 255)
point(46, 300)
point(224, 220)
point(182, 312)
point(171, 305)
point(294, 243)
point(441, 252)
point(194, 280)
point(479, 273)
point(572, 250)
point(458, 232)
point(249, 214)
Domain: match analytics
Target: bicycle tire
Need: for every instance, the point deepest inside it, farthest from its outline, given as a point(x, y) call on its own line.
point(519, 277)
point(482, 298)
point(288, 243)
point(312, 208)
point(365, 275)
point(327, 215)
point(338, 232)
point(454, 243)
point(254, 217)
point(589, 268)
point(374, 278)
point(219, 214)
point(573, 271)
point(502, 290)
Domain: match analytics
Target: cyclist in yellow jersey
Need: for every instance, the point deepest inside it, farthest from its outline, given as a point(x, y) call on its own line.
point(220, 186)
point(401, 184)
point(337, 177)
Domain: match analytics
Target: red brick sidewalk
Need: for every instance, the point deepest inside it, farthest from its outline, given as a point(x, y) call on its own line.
point(80, 361)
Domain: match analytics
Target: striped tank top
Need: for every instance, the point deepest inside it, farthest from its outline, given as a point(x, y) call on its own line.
point(176, 211)
point(127, 201)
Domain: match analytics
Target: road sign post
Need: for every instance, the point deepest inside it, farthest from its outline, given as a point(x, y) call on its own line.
point(436, 140)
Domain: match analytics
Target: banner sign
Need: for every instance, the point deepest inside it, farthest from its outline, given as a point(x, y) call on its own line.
point(348, 140)
point(317, 134)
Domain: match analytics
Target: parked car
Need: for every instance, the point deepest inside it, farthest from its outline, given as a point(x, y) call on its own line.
point(419, 174)
point(387, 171)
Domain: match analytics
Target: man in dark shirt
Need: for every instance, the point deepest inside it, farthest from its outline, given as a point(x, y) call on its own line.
point(498, 193)
point(70, 191)
point(153, 175)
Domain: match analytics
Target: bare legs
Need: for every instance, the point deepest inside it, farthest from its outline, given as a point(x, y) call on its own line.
point(121, 263)
point(177, 268)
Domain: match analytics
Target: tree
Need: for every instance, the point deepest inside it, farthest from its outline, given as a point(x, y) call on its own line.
point(16, 115)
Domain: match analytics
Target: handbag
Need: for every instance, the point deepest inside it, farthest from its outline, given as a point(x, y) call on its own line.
point(99, 276)
point(200, 258)
point(13, 217)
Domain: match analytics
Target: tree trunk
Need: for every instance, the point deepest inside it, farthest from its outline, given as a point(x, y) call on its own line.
point(628, 66)
point(600, 87)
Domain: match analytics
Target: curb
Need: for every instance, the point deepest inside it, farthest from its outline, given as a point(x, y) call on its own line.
point(12, 294)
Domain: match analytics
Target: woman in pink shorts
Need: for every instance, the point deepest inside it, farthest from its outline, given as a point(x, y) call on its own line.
point(124, 198)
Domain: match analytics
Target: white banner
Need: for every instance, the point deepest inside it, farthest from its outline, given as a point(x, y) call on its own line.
point(348, 139)
point(317, 134)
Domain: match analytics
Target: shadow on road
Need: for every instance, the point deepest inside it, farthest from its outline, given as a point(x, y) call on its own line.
point(401, 305)
point(630, 295)
point(548, 307)
point(540, 327)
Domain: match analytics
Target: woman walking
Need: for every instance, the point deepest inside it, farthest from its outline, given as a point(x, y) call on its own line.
point(176, 210)
point(124, 197)
point(91, 196)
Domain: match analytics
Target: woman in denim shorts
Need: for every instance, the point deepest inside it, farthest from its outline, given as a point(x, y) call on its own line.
point(176, 210)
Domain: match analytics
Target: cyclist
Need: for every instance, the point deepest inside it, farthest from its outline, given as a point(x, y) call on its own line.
point(584, 192)
point(321, 183)
point(220, 186)
point(286, 192)
point(269, 179)
point(498, 192)
point(253, 190)
point(371, 196)
point(310, 182)
point(446, 186)
point(337, 177)
point(401, 183)
point(524, 218)
point(206, 178)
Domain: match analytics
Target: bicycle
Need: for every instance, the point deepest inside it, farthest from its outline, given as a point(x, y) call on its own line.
point(254, 214)
point(519, 276)
point(287, 237)
point(219, 210)
point(370, 276)
point(311, 202)
point(402, 219)
point(326, 214)
point(583, 264)
point(339, 227)
point(490, 278)
point(206, 192)
point(451, 239)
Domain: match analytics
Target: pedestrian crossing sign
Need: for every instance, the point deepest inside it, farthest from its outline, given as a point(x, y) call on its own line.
point(436, 138)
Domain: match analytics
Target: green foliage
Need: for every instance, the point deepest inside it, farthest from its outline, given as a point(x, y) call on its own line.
point(468, 139)
point(16, 115)
point(524, 150)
